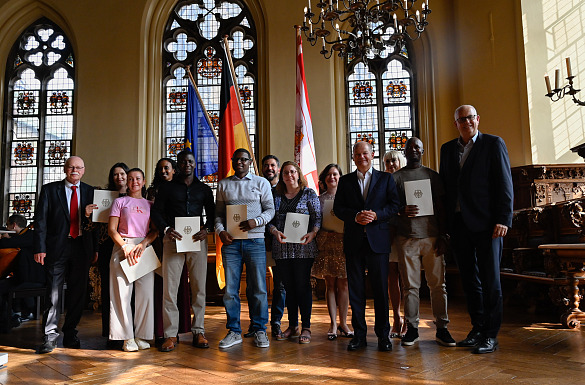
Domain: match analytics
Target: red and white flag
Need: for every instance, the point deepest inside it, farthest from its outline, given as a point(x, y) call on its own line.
point(304, 145)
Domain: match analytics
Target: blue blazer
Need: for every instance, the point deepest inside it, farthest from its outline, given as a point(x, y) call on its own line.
point(483, 185)
point(382, 198)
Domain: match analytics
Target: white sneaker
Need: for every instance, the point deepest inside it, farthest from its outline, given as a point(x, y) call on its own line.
point(130, 346)
point(231, 339)
point(141, 344)
point(261, 339)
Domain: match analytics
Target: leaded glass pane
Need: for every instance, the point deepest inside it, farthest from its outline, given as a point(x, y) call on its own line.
point(23, 179)
point(24, 153)
point(52, 174)
point(205, 23)
point(22, 203)
point(25, 128)
point(380, 104)
point(39, 131)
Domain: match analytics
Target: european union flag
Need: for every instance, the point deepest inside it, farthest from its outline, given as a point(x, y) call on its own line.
point(199, 136)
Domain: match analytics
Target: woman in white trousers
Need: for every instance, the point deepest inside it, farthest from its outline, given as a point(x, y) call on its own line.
point(130, 229)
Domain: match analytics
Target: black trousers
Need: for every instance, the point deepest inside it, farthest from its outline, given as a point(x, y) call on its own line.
point(478, 257)
point(296, 276)
point(72, 267)
point(377, 265)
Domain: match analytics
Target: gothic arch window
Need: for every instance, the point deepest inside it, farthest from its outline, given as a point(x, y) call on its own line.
point(40, 122)
point(193, 37)
point(381, 103)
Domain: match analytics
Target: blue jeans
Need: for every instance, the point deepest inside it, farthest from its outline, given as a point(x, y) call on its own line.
point(278, 297)
point(252, 253)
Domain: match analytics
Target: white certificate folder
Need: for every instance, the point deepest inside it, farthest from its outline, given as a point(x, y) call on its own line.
point(295, 227)
point(233, 216)
point(104, 200)
point(187, 226)
point(418, 192)
point(147, 262)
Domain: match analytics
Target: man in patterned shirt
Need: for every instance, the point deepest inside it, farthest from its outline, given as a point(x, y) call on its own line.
point(244, 188)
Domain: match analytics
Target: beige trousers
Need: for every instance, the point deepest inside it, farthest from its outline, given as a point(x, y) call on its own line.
point(414, 254)
point(122, 325)
point(172, 268)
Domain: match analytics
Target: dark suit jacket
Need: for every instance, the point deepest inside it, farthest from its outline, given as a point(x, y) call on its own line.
point(382, 198)
point(25, 269)
point(483, 185)
point(52, 221)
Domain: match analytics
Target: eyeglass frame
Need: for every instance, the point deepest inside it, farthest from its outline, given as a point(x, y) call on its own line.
point(464, 119)
point(241, 159)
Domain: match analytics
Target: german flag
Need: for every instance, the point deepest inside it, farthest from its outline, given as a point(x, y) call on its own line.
point(233, 133)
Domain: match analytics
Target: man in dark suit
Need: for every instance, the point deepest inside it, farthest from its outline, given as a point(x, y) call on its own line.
point(476, 174)
point(365, 201)
point(65, 245)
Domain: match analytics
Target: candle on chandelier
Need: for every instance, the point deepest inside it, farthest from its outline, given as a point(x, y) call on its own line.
point(305, 16)
point(309, 1)
point(547, 81)
point(323, 43)
point(417, 17)
point(395, 22)
point(557, 78)
point(569, 72)
point(338, 32)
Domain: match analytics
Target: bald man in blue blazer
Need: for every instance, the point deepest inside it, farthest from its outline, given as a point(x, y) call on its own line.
point(365, 201)
point(476, 174)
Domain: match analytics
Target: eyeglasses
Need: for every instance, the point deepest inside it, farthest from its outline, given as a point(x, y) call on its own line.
point(74, 168)
point(464, 119)
point(242, 159)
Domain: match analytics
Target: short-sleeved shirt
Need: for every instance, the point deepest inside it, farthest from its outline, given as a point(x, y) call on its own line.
point(424, 226)
point(134, 214)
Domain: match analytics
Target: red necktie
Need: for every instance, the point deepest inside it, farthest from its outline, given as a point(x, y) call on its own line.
point(74, 214)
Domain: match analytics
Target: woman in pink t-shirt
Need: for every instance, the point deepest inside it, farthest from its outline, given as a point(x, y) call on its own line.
point(130, 229)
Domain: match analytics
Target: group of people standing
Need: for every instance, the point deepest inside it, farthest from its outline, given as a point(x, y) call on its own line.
point(348, 238)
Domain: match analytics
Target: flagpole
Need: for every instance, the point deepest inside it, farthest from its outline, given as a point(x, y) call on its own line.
point(233, 73)
point(188, 68)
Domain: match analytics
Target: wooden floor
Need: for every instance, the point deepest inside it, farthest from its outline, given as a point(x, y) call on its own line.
point(530, 353)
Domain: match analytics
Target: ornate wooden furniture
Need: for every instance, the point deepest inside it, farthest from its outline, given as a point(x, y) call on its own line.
point(572, 260)
point(549, 208)
point(539, 185)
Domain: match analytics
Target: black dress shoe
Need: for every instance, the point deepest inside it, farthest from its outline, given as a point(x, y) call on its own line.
point(488, 345)
point(249, 333)
point(472, 340)
point(357, 343)
point(384, 344)
point(47, 347)
point(71, 342)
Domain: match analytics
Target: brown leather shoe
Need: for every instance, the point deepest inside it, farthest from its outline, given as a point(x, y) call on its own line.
point(199, 341)
point(169, 345)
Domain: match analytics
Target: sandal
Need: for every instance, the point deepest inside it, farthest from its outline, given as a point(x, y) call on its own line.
point(343, 333)
point(288, 333)
point(304, 338)
point(394, 334)
point(331, 336)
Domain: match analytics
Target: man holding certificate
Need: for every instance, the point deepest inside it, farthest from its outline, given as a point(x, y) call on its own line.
point(177, 201)
point(366, 199)
point(421, 242)
point(244, 208)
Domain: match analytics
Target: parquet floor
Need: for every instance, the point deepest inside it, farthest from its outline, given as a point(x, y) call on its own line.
point(530, 353)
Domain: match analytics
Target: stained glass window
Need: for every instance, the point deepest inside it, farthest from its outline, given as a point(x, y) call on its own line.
point(194, 37)
point(40, 122)
point(380, 102)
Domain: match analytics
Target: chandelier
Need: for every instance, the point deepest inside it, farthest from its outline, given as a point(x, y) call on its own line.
point(376, 26)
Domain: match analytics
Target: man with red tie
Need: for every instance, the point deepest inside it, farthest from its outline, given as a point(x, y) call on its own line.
point(65, 245)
